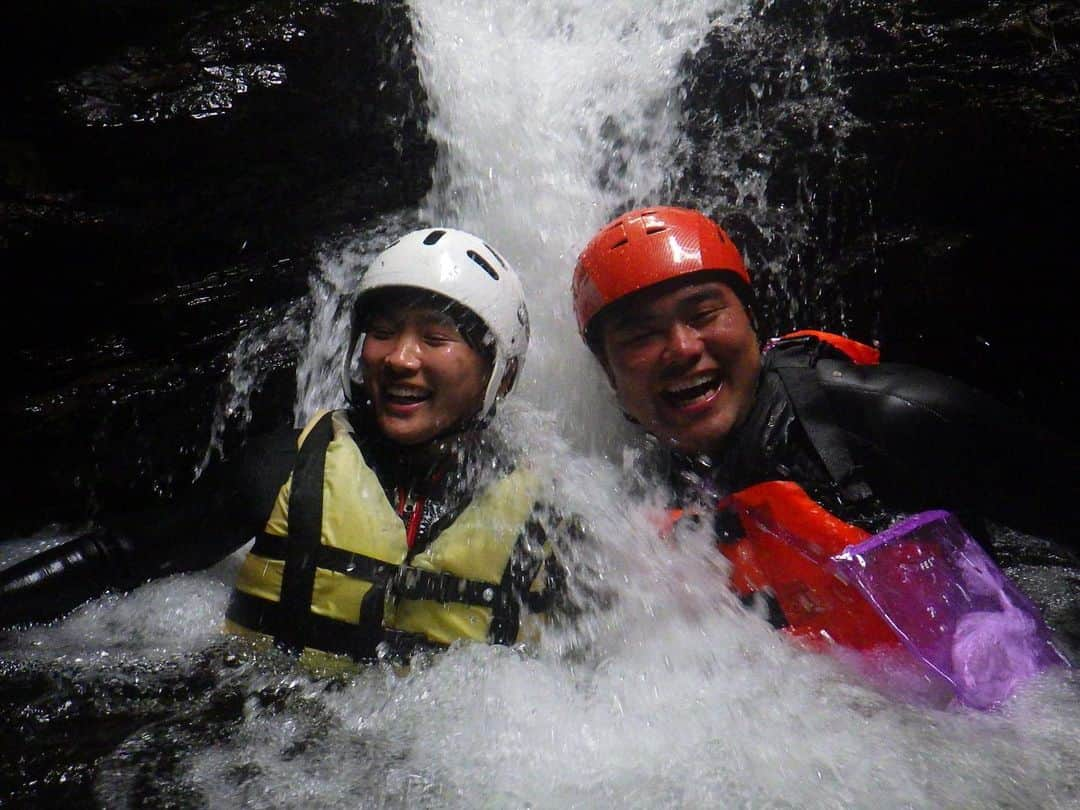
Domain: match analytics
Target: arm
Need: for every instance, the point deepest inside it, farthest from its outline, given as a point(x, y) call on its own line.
point(566, 581)
point(926, 440)
point(218, 514)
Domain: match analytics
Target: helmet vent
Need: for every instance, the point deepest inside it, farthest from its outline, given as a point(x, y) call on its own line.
point(480, 260)
point(620, 243)
point(655, 229)
point(434, 237)
point(495, 253)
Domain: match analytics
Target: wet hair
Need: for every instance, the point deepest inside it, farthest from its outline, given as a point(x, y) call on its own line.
point(392, 299)
point(594, 335)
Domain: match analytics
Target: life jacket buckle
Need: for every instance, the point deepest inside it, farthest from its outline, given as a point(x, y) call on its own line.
point(407, 578)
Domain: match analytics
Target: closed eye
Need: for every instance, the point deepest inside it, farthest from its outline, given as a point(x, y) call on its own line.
point(703, 316)
point(635, 337)
point(441, 338)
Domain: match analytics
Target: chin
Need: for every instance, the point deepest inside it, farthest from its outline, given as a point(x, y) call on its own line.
point(705, 441)
point(403, 436)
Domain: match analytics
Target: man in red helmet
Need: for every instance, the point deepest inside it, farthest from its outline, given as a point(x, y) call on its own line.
point(814, 431)
point(674, 333)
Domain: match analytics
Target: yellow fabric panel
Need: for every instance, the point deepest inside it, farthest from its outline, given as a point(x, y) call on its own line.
point(356, 515)
point(338, 596)
point(260, 576)
point(478, 544)
point(441, 621)
point(262, 641)
point(278, 522)
point(318, 662)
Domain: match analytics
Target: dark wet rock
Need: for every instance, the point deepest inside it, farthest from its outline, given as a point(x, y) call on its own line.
point(920, 157)
point(167, 172)
point(896, 172)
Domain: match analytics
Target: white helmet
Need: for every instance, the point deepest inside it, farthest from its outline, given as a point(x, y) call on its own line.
point(464, 269)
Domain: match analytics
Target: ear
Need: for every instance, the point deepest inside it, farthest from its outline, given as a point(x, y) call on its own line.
point(606, 366)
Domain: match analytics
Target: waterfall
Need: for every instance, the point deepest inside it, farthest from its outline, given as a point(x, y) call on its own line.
point(549, 117)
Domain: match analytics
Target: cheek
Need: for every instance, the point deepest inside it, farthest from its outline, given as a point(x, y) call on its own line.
point(734, 343)
point(366, 367)
point(472, 386)
point(370, 352)
point(464, 374)
point(631, 392)
point(631, 365)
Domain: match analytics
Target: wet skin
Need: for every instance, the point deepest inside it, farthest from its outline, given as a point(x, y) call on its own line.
point(684, 362)
point(421, 375)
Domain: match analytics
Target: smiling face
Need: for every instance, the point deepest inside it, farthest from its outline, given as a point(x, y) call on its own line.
point(684, 360)
point(420, 374)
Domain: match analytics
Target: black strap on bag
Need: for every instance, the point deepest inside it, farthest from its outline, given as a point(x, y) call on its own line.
point(794, 360)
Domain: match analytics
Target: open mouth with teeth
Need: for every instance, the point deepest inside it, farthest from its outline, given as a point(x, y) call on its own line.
point(406, 395)
point(693, 390)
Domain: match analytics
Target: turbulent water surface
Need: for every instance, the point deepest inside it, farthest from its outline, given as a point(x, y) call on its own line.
point(546, 118)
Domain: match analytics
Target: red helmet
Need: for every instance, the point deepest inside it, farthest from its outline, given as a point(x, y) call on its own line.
point(645, 247)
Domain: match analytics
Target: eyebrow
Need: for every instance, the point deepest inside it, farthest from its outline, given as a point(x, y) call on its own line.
point(700, 295)
point(637, 318)
point(631, 319)
point(438, 316)
point(443, 320)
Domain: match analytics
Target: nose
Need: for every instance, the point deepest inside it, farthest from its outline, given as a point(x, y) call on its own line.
point(405, 353)
point(683, 345)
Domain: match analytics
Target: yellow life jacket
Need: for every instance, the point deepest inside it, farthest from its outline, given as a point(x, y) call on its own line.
point(332, 573)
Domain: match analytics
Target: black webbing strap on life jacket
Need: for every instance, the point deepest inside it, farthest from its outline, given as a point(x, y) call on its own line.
point(404, 581)
point(305, 538)
point(321, 632)
point(433, 586)
point(329, 558)
point(359, 641)
point(794, 360)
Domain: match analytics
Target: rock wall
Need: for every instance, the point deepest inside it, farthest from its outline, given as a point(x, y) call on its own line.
point(901, 172)
point(168, 170)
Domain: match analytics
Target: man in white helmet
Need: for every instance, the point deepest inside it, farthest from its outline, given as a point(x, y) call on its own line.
point(397, 523)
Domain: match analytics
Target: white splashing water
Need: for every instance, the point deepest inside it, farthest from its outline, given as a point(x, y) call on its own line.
point(549, 117)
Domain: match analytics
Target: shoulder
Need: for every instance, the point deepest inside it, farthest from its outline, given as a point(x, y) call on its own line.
point(902, 393)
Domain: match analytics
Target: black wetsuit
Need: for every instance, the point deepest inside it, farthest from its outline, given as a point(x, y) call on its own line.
point(869, 442)
point(229, 505)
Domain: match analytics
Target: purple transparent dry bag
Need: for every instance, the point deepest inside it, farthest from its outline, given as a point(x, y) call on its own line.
point(951, 607)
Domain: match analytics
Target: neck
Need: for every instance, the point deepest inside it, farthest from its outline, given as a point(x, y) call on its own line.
point(412, 466)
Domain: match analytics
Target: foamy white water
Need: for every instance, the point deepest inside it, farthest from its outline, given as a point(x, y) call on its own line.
point(550, 117)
